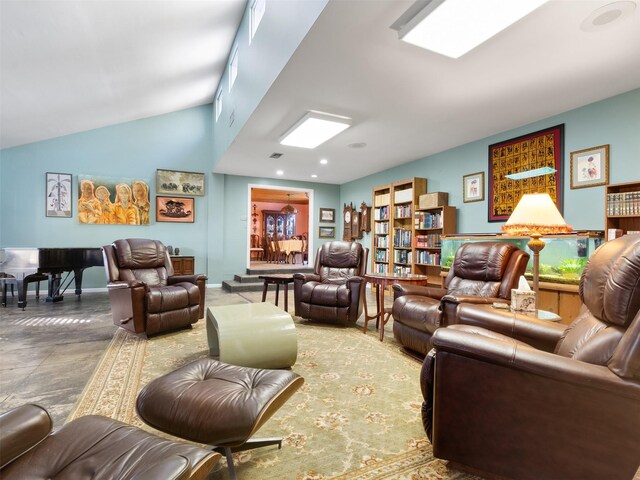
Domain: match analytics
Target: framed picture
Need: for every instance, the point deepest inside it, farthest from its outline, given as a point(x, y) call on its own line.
point(58, 195)
point(327, 232)
point(473, 187)
point(175, 182)
point(327, 215)
point(536, 159)
point(590, 167)
point(175, 209)
point(113, 201)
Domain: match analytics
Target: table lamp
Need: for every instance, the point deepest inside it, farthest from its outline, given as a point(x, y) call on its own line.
point(536, 215)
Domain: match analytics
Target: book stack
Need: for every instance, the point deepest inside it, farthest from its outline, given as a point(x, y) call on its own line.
point(432, 240)
point(401, 238)
point(623, 203)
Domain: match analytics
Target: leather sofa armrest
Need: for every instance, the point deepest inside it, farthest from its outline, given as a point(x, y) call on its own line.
point(541, 334)
point(122, 285)
point(432, 292)
point(172, 280)
point(354, 282)
point(306, 277)
point(21, 429)
point(514, 355)
point(472, 299)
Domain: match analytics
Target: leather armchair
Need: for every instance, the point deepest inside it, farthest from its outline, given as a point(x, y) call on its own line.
point(92, 447)
point(568, 409)
point(481, 273)
point(335, 291)
point(145, 295)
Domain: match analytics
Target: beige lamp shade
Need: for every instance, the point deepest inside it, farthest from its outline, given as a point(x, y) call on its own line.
point(536, 213)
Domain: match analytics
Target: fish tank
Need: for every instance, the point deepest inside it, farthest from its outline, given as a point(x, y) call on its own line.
point(562, 260)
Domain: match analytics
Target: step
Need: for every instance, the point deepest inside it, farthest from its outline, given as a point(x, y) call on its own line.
point(234, 286)
point(266, 271)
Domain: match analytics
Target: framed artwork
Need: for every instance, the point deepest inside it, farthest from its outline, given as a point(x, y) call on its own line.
point(327, 232)
point(175, 182)
point(58, 195)
point(365, 217)
point(590, 167)
point(473, 187)
point(175, 209)
point(327, 215)
point(113, 201)
point(541, 151)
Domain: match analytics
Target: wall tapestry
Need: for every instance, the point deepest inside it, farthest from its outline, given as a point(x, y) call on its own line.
point(539, 150)
point(113, 201)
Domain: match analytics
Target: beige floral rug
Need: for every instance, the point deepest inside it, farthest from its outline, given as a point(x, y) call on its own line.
point(356, 417)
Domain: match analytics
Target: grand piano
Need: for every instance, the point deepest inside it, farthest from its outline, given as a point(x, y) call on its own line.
point(22, 266)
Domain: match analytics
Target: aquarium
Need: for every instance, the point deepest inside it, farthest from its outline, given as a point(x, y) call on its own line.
point(561, 261)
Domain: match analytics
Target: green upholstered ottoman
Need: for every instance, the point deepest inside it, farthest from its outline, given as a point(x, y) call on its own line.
point(258, 335)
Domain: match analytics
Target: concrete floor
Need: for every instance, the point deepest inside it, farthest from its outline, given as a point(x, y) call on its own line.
point(49, 351)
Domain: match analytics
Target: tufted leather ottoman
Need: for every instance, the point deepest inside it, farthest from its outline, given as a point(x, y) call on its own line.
point(217, 404)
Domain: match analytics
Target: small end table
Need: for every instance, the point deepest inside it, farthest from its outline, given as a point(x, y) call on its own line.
point(382, 281)
point(277, 279)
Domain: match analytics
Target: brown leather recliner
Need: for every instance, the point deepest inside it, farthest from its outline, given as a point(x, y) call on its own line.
point(568, 409)
point(335, 291)
point(481, 273)
point(93, 447)
point(145, 295)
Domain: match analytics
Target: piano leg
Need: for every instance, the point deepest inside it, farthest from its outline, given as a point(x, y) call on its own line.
point(22, 293)
point(77, 274)
point(54, 288)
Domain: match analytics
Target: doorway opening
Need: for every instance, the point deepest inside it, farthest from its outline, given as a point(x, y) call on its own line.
point(283, 215)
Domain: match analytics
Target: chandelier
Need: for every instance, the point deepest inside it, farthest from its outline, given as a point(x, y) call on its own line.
point(289, 208)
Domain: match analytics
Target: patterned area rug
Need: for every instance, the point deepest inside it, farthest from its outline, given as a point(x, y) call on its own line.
point(356, 417)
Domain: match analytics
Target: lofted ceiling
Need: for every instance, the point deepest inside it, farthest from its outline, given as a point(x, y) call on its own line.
point(68, 66)
point(74, 65)
point(279, 196)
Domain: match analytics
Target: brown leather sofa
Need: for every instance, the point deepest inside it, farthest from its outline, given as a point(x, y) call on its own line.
point(93, 447)
point(335, 291)
point(145, 295)
point(568, 409)
point(481, 273)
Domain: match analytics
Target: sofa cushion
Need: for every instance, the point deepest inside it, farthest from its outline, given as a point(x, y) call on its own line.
point(327, 294)
point(417, 311)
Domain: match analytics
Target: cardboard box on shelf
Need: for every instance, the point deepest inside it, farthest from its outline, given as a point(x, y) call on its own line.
point(432, 200)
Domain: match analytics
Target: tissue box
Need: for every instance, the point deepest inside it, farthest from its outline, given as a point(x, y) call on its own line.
point(523, 300)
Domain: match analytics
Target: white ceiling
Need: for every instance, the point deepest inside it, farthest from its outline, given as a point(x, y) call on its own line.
point(68, 66)
point(407, 103)
point(73, 65)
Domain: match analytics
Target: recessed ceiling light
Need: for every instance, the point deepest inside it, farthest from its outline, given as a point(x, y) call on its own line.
point(604, 16)
point(314, 176)
point(454, 27)
point(279, 172)
point(313, 129)
point(324, 161)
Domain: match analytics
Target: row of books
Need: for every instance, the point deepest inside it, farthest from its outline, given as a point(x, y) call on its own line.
point(428, 258)
point(380, 268)
point(402, 256)
point(381, 228)
point(381, 199)
point(381, 213)
point(432, 240)
point(623, 203)
point(614, 233)
point(401, 270)
point(401, 237)
point(381, 256)
point(382, 242)
point(428, 220)
point(403, 211)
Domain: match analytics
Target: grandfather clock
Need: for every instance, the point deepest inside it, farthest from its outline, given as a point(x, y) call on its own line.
point(346, 222)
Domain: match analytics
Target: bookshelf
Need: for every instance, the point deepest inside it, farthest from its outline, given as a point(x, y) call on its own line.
point(622, 209)
point(405, 196)
point(381, 243)
point(429, 226)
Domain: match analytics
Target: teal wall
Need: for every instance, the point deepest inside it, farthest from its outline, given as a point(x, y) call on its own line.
point(284, 24)
point(614, 121)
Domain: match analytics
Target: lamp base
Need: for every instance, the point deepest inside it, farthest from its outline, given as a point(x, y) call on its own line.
point(536, 245)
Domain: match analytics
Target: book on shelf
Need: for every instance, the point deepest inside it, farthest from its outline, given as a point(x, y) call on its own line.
point(403, 211)
point(428, 220)
point(403, 196)
point(614, 233)
point(623, 203)
point(381, 199)
point(401, 237)
point(381, 213)
point(432, 240)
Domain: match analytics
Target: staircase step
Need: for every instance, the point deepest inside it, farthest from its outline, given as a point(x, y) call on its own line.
point(234, 286)
point(266, 271)
point(247, 278)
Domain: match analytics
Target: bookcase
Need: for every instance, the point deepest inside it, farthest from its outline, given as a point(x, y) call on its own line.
point(622, 209)
point(429, 226)
point(393, 225)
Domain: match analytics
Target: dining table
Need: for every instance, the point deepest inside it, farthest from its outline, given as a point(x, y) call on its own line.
point(290, 246)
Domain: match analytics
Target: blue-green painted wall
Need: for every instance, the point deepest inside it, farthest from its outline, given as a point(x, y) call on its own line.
point(614, 121)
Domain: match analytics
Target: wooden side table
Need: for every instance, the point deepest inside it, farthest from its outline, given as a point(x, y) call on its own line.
point(277, 279)
point(183, 264)
point(382, 281)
